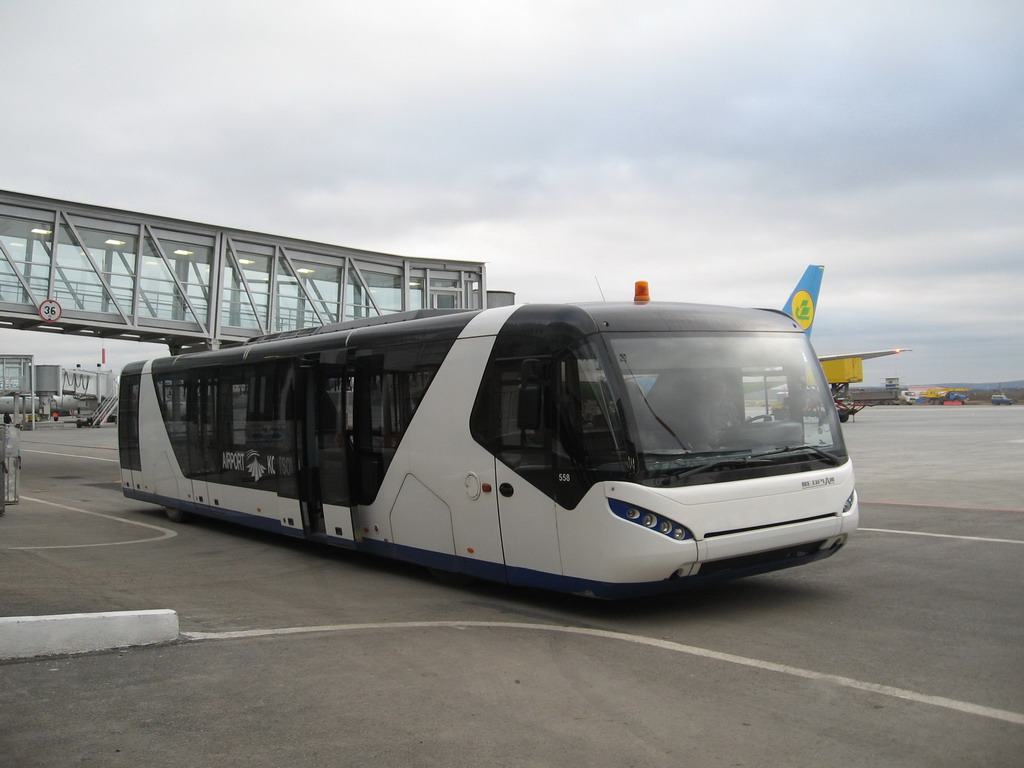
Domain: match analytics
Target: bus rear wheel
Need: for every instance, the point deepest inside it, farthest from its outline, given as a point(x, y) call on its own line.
point(176, 515)
point(452, 578)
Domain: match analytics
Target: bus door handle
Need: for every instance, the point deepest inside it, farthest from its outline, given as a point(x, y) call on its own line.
point(506, 489)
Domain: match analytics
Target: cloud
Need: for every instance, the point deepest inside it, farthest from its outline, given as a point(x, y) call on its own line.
point(713, 150)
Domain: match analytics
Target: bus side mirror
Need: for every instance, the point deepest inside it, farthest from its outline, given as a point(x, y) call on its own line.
point(530, 395)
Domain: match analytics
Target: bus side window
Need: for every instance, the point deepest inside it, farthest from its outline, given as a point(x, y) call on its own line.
point(389, 385)
point(509, 415)
point(366, 431)
point(171, 395)
point(205, 453)
point(254, 443)
point(333, 409)
point(512, 417)
point(128, 422)
point(591, 440)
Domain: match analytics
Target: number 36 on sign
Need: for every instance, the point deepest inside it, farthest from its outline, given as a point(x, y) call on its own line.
point(50, 310)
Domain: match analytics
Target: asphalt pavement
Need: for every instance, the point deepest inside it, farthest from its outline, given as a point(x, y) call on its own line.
point(902, 650)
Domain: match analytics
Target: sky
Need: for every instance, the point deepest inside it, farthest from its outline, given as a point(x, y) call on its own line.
point(712, 149)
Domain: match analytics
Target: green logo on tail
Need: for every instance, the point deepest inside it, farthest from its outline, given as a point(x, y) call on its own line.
point(802, 309)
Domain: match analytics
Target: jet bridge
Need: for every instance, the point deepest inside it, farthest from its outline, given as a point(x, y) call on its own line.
point(80, 269)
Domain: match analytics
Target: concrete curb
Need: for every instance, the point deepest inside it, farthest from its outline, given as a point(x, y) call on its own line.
point(23, 637)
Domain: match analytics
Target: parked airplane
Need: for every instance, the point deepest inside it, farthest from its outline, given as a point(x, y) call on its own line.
point(840, 370)
point(46, 404)
point(802, 304)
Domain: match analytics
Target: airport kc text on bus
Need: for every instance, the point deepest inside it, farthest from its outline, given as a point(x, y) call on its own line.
point(601, 449)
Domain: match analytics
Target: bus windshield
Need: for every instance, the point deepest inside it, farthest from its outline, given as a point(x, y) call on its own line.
point(700, 405)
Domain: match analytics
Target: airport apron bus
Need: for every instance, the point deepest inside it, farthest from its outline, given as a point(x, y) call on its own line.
point(600, 449)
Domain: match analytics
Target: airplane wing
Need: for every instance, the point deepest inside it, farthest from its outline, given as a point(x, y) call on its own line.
point(801, 306)
point(862, 355)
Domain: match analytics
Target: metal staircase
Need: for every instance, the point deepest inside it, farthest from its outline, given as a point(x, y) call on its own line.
point(99, 417)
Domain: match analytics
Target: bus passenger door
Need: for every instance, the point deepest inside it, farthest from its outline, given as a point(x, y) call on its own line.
point(524, 472)
point(529, 535)
point(128, 430)
point(202, 435)
point(328, 499)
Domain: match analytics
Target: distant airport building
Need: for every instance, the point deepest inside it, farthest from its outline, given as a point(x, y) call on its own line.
point(81, 269)
point(45, 390)
point(17, 376)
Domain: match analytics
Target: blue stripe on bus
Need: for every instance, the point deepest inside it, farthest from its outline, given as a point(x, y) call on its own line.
point(271, 524)
point(491, 571)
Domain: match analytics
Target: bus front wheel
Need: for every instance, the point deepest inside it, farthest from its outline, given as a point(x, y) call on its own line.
point(176, 515)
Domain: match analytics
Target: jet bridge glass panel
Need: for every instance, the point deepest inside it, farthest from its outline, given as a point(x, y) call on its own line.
point(372, 292)
point(247, 276)
point(26, 246)
point(169, 260)
point(114, 250)
point(300, 297)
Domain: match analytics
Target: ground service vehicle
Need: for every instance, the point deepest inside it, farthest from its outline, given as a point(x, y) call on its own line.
point(955, 396)
point(602, 449)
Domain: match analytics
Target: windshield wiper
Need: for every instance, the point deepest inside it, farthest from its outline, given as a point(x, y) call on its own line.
point(732, 462)
point(739, 462)
point(831, 458)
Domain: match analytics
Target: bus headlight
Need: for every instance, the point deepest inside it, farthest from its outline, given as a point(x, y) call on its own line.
point(651, 520)
point(849, 502)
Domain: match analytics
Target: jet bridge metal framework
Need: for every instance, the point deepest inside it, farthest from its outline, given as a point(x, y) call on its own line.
point(126, 275)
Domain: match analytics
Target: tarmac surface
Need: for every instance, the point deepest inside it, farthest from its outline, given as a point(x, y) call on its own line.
point(902, 650)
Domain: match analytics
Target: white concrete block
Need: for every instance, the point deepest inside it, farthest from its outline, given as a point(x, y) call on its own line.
point(26, 636)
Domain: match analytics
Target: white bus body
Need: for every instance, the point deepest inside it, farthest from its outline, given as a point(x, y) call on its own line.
point(607, 449)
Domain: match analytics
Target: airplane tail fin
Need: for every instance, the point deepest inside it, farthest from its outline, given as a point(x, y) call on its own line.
point(803, 301)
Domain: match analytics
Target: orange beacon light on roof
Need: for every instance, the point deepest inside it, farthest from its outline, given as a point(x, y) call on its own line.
point(642, 292)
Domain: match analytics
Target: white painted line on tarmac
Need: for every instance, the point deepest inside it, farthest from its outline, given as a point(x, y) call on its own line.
point(165, 533)
point(943, 535)
point(937, 506)
point(965, 707)
point(70, 455)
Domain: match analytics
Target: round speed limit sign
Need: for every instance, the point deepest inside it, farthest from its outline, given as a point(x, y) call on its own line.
point(50, 310)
